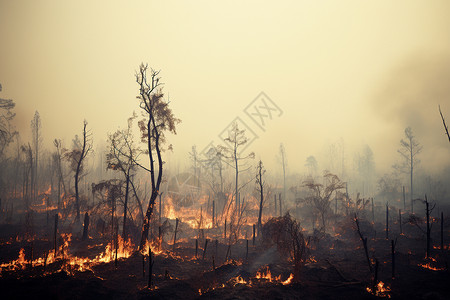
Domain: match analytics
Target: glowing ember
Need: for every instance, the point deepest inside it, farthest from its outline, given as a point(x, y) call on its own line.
point(430, 267)
point(380, 290)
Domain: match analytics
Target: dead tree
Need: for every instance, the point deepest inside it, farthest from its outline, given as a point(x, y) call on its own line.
point(409, 149)
point(428, 211)
point(236, 140)
point(57, 159)
point(77, 157)
point(364, 241)
point(445, 125)
point(159, 119)
point(122, 157)
point(320, 195)
point(36, 141)
point(260, 183)
point(283, 164)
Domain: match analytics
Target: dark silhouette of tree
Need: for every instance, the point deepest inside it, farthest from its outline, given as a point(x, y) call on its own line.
point(320, 194)
point(365, 166)
point(445, 125)
point(311, 165)
point(196, 166)
point(122, 157)
point(159, 119)
point(260, 184)
point(236, 139)
point(7, 131)
point(283, 164)
point(57, 161)
point(76, 157)
point(27, 171)
point(36, 139)
point(409, 149)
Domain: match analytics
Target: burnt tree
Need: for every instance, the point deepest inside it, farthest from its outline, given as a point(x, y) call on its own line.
point(260, 183)
point(159, 119)
point(409, 149)
point(77, 157)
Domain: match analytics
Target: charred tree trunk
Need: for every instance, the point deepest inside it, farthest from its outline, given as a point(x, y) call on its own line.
point(442, 231)
point(55, 234)
point(393, 258)
point(125, 207)
point(86, 227)
point(175, 234)
point(204, 249)
point(364, 241)
point(428, 227)
point(387, 221)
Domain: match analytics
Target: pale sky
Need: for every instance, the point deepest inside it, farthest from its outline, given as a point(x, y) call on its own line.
point(357, 70)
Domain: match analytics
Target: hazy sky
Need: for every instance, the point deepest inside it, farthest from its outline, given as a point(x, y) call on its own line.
point(357, 70)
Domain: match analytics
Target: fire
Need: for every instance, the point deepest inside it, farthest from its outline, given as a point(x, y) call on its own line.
point(289, 280)
point(267, 275)
point(18, 264)
point(155, 246)
point(430, 264)
point(237, 280)
point(124, 250)
point(380, 290)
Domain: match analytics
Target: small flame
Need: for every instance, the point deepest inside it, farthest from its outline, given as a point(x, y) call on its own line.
point(380, 290)
point(267, 275)
point(289, 280)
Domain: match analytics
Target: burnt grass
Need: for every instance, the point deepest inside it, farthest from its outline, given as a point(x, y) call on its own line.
point(335, 268)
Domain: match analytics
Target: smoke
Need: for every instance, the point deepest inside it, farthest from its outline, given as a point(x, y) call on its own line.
point(410, 96)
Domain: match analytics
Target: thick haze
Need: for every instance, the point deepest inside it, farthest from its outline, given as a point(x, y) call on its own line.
point(357, 70)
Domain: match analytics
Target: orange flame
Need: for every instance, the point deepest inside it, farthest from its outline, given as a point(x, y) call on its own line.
point(380, 290)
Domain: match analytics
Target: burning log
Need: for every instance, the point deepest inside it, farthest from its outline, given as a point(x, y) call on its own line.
point(86, 227)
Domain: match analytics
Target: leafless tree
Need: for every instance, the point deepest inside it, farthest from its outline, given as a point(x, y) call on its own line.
point(122, 157)
point(57, 161)
point(409, 149)
point(159, 119)
point(77, 157)
point(283, 164)
point(27, 171)
point(36, 142)
point(260, 184)
point(236, 139)
point(445, 125)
